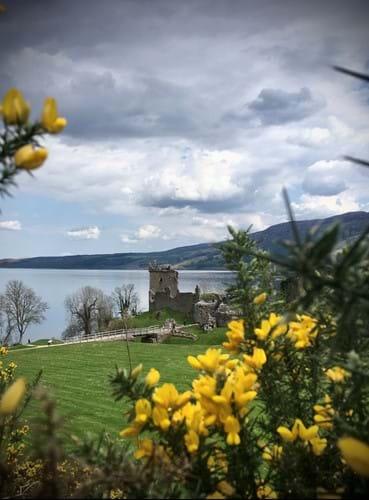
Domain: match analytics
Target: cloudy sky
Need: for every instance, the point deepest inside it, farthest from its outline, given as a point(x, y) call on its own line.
point(183, 117)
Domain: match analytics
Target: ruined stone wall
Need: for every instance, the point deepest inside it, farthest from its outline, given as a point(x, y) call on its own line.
point(182, 302)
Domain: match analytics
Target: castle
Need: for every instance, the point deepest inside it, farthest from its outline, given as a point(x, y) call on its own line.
point(164, 292)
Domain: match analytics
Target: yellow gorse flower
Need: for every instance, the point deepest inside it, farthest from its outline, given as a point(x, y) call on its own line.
point(257, 360)
point(143, 411)
point(145, 449)
point(136, 371)
point(15, 109)
point(270, 328)
point(356, 454)
point(260, 299)
point(192, 441)
point(336, 374)
point(302, 331)
point(12, 397)
point(236, 336)
point(152, 378)
point(211, 361)
point(306, 434)
point(29, 158)
point(232, 428)
point(50, 119)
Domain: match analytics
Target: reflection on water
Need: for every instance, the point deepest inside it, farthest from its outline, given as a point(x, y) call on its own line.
point(54, 284)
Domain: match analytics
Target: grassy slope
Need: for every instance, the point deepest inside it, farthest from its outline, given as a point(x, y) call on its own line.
point(77, 375)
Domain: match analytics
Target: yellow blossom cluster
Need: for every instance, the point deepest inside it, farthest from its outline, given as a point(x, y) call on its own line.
point(307, 435)
point(324, 414)
point(301, 332)
point(218, 400)
point(336, 374)
point(15, 111)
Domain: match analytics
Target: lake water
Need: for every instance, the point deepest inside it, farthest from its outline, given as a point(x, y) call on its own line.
point(53, 285)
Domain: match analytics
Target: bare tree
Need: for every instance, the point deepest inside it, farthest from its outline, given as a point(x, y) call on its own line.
point(125, 300)
point(21, 307)
point(6, 324)
point(89, 309)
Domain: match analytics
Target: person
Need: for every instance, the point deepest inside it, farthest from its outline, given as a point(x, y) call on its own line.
point(29, 341)
point(49, 342)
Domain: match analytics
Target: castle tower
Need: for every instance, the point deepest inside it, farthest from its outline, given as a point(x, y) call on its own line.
point(164, 279)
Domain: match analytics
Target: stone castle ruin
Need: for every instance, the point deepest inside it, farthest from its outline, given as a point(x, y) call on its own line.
point(164, 293)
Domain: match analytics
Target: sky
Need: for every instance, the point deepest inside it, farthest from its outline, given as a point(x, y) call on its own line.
point(184, 117)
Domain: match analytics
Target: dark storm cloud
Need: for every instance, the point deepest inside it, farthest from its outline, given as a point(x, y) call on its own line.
point(137, 69)
point(276, 106)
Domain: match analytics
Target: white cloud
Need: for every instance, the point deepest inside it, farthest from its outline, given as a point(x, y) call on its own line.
point(148, 231)
point(125, 238)
point(87, 233)
point(11, 225)
point(326, 178)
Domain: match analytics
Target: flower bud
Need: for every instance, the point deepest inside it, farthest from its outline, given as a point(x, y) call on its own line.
point(15, 109)
point(12, 396)
point(28, 158)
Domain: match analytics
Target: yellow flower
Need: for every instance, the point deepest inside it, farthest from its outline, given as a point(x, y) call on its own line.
point(129, 432)
point(28, 158)
point(272, 454)
point(15, 109)
point(50, 119)
point(161, 418)
point(232, 427)
point(260, 299)
point(211, 361)
point(263, 332)
point(306, 434)
point(143, 411)
point(266, 491)
point(152, 378)
point(356, 454)
point(12, 396)
point(286, 434)
point(136, 371)
point(167, 396)
point(318, 445)
point(146, 448)
point(236, 336)
point(225, 488)
point(192, 441)
point(257, 360)
point(336, 374)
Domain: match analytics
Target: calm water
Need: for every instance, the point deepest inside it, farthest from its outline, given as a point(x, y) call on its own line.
point(54, 284)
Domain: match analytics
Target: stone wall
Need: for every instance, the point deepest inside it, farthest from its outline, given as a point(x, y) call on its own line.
point(182, 302)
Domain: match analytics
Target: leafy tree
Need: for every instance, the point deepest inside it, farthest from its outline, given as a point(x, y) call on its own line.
point(21, 307)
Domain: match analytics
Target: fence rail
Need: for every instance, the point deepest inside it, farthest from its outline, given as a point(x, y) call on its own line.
point(119, 334)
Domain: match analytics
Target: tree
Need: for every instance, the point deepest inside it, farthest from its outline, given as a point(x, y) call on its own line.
point(89, 310)
point(6, 324)
point(125, 300)
point(21, 307)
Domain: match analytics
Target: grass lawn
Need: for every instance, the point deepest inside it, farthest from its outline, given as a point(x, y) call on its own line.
point(77, 376)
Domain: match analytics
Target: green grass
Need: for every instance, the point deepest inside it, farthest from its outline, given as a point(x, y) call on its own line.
point(77, 376)
point(213, 337)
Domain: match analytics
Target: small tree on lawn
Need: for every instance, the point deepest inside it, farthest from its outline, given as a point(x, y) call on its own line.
point(89, 309)
point(21, 307)
point(125, 300)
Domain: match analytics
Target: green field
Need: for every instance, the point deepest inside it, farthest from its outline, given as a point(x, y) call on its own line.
point(78, 377)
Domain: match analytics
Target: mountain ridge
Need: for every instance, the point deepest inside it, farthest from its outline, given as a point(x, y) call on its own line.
point(200, 256)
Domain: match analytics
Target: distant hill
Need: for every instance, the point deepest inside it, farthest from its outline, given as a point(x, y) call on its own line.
point(197, 257)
